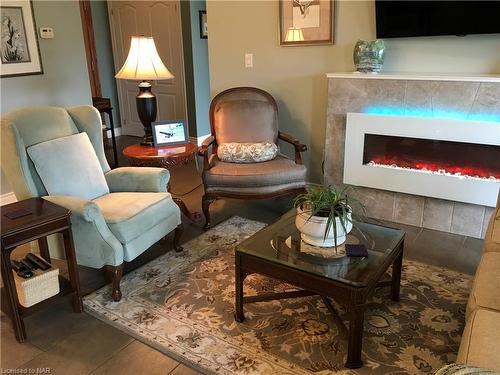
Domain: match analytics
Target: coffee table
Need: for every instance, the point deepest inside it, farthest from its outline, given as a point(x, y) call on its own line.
point(275, 251)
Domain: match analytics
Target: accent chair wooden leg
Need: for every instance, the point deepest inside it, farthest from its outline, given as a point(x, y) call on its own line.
point(116, 276)
point(177, 236)
point(206, 201)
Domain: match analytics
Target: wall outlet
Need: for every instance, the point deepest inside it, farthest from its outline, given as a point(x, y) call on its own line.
point(248, 60)
point(46, 32)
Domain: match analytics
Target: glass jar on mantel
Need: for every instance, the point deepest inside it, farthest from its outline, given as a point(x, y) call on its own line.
point(369, 55)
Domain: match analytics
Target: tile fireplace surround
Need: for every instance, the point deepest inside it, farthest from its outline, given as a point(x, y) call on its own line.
point(428, 95)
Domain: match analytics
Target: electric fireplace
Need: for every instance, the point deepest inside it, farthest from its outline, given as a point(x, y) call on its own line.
point(459, 159)
point(441, 158)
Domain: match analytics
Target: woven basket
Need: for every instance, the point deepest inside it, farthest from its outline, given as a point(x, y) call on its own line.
point(42, 285)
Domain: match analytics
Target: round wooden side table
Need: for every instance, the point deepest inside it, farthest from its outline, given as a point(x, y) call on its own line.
point(164, 157)
point(161, 156)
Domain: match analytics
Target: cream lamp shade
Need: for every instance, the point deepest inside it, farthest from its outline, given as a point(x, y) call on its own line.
point(294, 34)
point(143, 62)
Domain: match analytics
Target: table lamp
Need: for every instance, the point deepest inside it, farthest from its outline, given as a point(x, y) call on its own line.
point(144, 64)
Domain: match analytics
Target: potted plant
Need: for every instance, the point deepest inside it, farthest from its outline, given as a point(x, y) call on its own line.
point(324, 215)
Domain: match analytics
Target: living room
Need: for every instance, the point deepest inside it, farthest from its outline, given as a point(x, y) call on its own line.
point(295, 187)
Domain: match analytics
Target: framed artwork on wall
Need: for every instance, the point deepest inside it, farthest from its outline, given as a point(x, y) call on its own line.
point(306, 22)
point(203, 24)
point(19, 50)
point(170, 133)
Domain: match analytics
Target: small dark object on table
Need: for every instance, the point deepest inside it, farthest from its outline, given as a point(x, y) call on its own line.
point(39, 262)
point(356, 250)
point(20, 269)
point(18, 213)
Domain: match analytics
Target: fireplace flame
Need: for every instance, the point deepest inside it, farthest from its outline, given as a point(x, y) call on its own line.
point(467, 172)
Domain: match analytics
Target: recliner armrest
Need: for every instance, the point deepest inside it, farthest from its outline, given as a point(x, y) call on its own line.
point(95, 244)
point(88, 210)
point(138, 179)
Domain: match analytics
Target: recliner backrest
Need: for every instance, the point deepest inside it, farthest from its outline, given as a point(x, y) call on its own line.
point(25, 127)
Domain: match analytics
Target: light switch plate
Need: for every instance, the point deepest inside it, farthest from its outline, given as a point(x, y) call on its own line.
point(46, 32)
point(248, 60)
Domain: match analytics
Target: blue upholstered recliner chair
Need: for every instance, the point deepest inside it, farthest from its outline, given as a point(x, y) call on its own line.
point(116, 215)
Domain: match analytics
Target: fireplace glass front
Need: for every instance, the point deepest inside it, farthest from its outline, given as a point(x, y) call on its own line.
point(465, 160)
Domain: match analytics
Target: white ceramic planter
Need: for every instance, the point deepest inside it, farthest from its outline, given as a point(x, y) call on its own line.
point(312, 230)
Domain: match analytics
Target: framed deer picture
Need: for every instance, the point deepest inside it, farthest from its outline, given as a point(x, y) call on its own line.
point(306, 22)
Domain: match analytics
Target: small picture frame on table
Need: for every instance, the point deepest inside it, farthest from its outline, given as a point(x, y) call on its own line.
point(169, 133)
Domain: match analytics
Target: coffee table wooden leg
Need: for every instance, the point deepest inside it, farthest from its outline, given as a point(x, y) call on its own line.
point(397, 267)
point(10, 288)
point(69, 249)
point(239, 278)
point(355, 340)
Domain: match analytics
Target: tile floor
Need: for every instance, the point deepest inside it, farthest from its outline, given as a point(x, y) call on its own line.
point(73, 344)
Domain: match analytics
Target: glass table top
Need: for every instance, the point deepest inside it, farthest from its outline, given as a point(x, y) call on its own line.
point(280, 243)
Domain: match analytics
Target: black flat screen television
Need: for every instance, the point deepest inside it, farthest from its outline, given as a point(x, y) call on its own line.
point(397, 19)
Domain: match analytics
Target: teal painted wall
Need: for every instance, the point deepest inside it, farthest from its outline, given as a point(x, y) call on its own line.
point(65, 81)
point(104, 51)
point(201, 73)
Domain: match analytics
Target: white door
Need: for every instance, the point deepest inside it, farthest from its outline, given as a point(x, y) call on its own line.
point(162, 21)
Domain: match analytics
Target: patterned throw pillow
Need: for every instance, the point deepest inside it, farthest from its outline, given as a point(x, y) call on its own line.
point(247, 152)
point(458, 369)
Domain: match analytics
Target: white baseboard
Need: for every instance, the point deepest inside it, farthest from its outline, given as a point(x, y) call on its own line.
point(199, 140)
point(7, 198)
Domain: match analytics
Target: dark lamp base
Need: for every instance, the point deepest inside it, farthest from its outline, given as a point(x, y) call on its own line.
point(146, 109)
point(147, 140)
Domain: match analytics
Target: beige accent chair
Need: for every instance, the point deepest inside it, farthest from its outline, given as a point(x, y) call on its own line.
point(248, 115)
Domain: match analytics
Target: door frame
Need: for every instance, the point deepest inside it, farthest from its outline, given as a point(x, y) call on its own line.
point(123, 107)
point(90, 50)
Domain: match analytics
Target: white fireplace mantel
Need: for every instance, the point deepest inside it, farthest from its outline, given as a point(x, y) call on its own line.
point(419, 76)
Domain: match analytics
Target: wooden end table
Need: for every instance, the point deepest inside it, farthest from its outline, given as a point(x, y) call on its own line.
point(275, 251)
point(103, 105)
point(164, 157)
point(45, 218)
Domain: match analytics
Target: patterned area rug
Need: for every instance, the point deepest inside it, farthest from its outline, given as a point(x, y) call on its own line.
point(182, 304)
